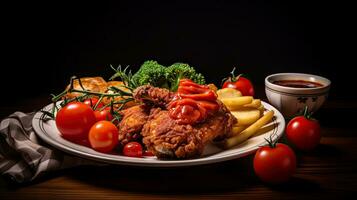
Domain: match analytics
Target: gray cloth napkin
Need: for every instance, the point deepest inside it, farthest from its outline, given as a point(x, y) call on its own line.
point(23, 156)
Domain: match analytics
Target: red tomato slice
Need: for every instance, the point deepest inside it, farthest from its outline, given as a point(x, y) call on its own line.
point(191, 90)
point(188, 82)
point(209, 105)
point(208, 96)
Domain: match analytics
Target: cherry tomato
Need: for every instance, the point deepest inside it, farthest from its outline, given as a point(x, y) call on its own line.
point(74, 121)
point(103, 115)
point(303, 133)
point(240, 83)
point(148, 153)
point(275, 164)
point(133, 149)
point(103, 136)
point(92, 102)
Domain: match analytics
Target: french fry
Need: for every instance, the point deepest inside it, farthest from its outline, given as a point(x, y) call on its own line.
point(261, 108)
point(237, 129)
point(228, 93)
point(234, 103)
point(265, 129)
point(246, 116)
point(248, 132)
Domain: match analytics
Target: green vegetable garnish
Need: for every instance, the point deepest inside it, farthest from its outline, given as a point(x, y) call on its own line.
point(151, 72)
point(179, 71)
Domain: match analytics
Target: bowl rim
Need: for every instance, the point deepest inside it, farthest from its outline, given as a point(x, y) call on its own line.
point(323, 88)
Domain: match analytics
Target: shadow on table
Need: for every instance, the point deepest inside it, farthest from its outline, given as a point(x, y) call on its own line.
point(296, 184)
point(322, 151)
point(231, 176)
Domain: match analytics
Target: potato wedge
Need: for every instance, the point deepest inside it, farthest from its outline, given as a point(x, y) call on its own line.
point(228, 93)
point(256, 103)
point(248, 132)
point(234, 103)
point(247, 116)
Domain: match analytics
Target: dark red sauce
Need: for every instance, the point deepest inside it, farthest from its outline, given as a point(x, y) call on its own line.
point(298, 83)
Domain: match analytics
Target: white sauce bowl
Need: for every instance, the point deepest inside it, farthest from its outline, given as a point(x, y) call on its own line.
point(291, 100)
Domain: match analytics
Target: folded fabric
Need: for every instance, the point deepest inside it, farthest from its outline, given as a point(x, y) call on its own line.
point(24, 157)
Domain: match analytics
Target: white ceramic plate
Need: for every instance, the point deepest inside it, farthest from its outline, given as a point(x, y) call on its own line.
point(212, 154)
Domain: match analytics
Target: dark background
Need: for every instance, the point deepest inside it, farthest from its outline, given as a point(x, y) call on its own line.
point(48, 43)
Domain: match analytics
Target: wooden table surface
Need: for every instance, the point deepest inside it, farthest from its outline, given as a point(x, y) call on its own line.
point(330, 171)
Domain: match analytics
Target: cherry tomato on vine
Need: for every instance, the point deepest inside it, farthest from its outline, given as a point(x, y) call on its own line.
point(74, 121)
point(133, 149)
point(240, 83)
point(92, 102)
point(275, 163)
point(304, 132)
point(103, 114)
point(103, 136)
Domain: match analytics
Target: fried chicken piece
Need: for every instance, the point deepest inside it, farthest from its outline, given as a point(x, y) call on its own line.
point(132, 122)
point(153, 96)
point(135, 117)
point(169, 140)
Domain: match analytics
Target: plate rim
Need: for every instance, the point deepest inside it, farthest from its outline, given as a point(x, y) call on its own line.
point(107, 158)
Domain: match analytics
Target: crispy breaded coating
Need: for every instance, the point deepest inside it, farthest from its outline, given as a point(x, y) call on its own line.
point(169, 140)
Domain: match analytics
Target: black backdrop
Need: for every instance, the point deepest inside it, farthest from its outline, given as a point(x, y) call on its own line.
point(46, 44)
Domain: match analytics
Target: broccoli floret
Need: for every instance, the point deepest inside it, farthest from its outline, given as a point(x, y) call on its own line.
point(151, 72)
point(179, 71)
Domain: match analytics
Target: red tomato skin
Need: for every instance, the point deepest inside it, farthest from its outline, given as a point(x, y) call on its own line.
point(103, 136)
point(303, 133)
point(148, 153)
point(74, 121)
point(103, 115)
point(91, 102)
point(243, 84)
point(275, 165)
point(133, 149)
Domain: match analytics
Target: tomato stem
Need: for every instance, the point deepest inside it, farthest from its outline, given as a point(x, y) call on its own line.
point(306, 113)
point(270, 141)
point(234, 78)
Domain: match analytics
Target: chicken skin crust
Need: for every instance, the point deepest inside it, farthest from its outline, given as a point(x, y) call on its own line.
point(132, 122)
point(153, 96)
point(169, 140)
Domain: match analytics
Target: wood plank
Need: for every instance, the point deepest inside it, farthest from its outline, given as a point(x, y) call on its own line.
point(329, 171)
